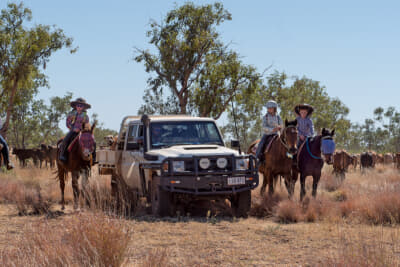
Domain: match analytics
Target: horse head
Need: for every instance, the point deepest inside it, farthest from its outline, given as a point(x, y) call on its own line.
point(86, 142)
point(327, 145)
point(290, 135)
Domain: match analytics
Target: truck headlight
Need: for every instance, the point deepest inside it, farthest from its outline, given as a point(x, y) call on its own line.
point(242, 164)
point(178, 166)
point(222, 163)
point(204, 163)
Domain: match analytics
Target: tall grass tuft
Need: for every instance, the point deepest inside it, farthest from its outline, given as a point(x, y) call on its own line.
point(81, 240)
point(364, 251)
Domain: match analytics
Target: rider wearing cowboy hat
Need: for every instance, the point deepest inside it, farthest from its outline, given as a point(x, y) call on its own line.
point(272, 123)
point(305, 126)
point(76, 121)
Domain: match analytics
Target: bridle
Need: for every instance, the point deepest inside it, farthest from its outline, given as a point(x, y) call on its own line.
point(282, 138)
point(327, 137)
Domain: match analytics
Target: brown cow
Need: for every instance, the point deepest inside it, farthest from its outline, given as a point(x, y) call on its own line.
point(22, 155)
point(398, 160)
point(356, 160)
point(367, 160)
point(341, 162)
point(50, 153)
point(379, 158)
point(38, 156)
point(388, 158)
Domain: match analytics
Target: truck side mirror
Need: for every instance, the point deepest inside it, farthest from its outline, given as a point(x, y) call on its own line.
point(235, 143)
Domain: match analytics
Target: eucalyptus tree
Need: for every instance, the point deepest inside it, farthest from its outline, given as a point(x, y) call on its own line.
point(193, 71)
point(24, 52)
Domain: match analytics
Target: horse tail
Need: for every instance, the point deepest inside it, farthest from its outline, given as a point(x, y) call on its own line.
point(60, 173)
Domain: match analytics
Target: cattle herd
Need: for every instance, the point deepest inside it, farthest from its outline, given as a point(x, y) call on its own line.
point(342, 160)
point(40, 157)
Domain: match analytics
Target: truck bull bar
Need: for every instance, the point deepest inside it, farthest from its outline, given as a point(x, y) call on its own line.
point(197, 181)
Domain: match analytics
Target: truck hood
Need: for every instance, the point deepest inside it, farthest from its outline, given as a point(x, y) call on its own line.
point(192, 150)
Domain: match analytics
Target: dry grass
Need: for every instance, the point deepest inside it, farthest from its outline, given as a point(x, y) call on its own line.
point(81, 240)
point(343, 224)
point(359, 249)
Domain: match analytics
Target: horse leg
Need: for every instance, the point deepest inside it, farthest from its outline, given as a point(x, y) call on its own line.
point(84, 192)
point(264, 185)
point(75, 187)
point(270, 181)
point(302, 186)
point(61, 177)
point(289, 185)
point(315, 184)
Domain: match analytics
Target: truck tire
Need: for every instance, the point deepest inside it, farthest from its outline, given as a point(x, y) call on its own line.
point(241, 204)
point(161, 201)
point(125, 199)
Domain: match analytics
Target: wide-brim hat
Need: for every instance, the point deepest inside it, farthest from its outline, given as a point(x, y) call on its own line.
point(81, 101)
point(309, 108)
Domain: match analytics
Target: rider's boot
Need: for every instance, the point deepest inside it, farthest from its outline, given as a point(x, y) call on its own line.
point(63, 153)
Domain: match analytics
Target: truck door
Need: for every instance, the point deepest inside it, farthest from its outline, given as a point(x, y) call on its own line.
point(131, 157)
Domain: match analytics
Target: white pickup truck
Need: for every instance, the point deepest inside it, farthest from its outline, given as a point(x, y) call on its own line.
point(172, 160)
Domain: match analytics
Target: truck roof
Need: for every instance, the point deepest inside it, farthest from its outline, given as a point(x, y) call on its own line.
point(157, 118)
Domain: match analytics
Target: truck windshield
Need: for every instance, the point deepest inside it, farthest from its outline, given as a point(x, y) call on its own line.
point(166, 134)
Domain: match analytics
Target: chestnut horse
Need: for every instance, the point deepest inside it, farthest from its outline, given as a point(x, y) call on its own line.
point(310, 159)
point(278, 158)
point(79, 162)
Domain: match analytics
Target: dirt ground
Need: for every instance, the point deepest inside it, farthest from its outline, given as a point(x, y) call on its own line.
point(223, 240)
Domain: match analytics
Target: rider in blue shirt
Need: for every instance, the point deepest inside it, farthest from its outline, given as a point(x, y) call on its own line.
point(305, 126)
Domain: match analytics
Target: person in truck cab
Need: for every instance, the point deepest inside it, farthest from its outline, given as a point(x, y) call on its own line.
point(76, 121)
point(156, 134)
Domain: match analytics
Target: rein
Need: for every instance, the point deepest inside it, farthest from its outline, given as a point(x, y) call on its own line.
point(308, 146)
point(309, 151)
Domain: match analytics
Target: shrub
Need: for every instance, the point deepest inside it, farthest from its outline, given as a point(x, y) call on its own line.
point(82, 240)
point(288, 211)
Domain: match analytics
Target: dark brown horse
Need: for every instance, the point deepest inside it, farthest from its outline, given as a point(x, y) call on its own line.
point(278, 158)
point(79, 162)
point(310, 159)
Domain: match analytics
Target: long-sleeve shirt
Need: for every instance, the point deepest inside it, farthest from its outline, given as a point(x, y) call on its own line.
point(270, 122)
point(305, 126)
point(76, 120)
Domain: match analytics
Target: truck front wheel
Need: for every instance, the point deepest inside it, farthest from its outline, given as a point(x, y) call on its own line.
point(241, 204)
point(161, 201)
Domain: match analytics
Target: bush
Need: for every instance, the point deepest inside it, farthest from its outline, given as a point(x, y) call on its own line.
point(288, 211)
point(82, 240)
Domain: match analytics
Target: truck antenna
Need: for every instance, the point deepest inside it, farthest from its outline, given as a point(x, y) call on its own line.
point(234, 119)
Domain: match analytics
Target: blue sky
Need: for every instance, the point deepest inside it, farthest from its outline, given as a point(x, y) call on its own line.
point(351, 47)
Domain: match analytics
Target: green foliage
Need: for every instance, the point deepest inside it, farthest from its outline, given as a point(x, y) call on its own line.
point(33, 122)
point(100, 132)
point(23, 53)
point(195, 73)
point(328, 112)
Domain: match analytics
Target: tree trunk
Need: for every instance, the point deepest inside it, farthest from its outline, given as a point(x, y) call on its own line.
point(9, 108)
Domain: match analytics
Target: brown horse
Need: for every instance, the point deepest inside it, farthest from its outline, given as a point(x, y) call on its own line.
point(310, 159)
point(278, 158)
point(79, 162)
